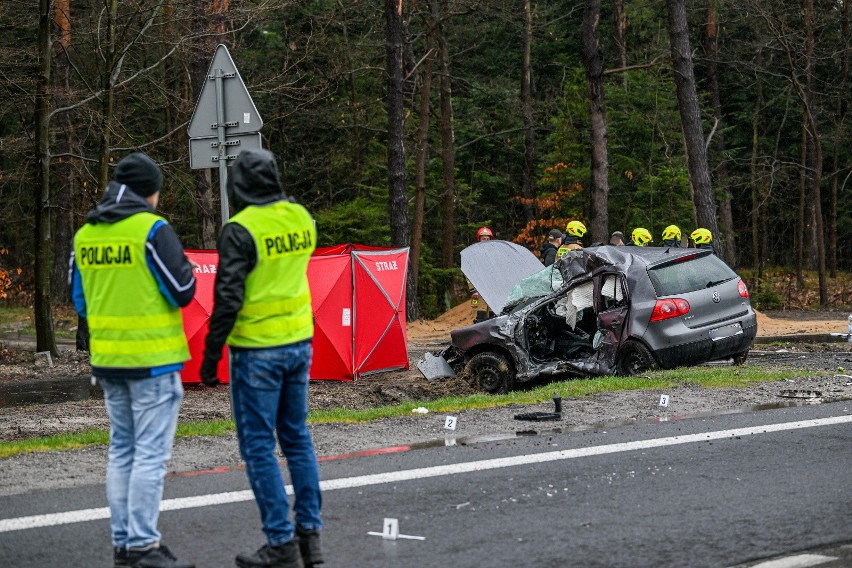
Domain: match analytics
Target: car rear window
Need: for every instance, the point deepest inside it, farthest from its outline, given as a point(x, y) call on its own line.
point(689, 275)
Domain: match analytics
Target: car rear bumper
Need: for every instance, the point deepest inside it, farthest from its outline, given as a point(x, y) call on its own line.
point(708, 349)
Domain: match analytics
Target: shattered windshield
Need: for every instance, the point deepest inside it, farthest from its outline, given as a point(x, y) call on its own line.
point(542, 283)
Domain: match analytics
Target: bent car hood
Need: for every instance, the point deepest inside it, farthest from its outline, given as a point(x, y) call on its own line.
point(494, 267)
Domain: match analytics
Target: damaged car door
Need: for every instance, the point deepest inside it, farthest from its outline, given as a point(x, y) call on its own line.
point(578, 331)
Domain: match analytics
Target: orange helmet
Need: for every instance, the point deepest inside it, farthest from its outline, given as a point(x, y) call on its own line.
point(484, 234)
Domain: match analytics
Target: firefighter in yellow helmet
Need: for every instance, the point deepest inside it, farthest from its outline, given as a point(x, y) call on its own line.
point(671, 236)
point(702, 238)
point(640, 237)
point(574, 231)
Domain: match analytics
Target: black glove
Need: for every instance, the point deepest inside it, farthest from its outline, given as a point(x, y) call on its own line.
point(208, 373)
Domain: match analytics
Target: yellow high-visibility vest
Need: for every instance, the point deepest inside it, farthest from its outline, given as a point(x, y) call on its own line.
point(131, 325)
point(277, 302)
point(560, 252)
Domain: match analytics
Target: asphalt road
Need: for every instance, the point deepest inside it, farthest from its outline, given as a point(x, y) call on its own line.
point(679, 493)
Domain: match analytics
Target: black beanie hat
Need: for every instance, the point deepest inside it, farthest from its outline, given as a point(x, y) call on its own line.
point(139, 173)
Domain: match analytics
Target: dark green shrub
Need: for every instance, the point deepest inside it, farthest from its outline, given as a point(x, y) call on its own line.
point(767, 299)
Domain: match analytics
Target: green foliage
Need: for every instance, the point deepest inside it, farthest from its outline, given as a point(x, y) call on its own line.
point(649, 183)
point(766, 298)
point(777, 288)
point(361, 220)
point(434, 286)
point(316, 71)
point(9, 316)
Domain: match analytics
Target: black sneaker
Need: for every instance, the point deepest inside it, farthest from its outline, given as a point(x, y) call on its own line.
point(159, 557)
point(119, 557)
point(282, 556)
point(309, 546)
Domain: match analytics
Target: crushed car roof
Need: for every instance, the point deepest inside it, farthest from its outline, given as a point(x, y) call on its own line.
point(495, 267)
point(578, 261)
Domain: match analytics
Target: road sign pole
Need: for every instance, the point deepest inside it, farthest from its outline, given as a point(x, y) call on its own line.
point(218, 77)
point(224, 118)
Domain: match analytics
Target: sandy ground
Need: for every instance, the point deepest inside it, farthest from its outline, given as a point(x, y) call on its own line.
point(787, 323)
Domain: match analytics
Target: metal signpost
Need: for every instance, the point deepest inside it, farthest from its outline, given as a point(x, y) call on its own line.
point(224, 118)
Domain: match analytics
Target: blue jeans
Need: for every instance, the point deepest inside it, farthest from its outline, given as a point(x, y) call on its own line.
point(143, 417)
point(269, 394)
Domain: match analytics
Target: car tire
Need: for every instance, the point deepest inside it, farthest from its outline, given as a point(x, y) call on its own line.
point(740, 358)
point(635, 359)
point(492, 372)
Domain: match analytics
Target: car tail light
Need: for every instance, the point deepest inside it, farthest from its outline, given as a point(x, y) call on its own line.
point(669, 308)
point(742, 289)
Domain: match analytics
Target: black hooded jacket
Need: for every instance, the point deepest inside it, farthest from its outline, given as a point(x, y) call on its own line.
point(547, 254)
point(164, 255)
point(252, 180)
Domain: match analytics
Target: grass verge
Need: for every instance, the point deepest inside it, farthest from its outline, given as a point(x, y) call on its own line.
point(706, 377)
point(14, 315)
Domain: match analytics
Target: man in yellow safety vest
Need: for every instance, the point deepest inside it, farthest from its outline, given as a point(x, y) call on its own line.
point(129, 279)
point(263, 311)
point(574, 231)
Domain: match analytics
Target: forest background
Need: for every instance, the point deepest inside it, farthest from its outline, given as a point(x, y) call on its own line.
point(414, 123)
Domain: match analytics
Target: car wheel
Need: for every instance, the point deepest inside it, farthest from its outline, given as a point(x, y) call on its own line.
point(740, 358)
point(492, 372)
point(635, 359)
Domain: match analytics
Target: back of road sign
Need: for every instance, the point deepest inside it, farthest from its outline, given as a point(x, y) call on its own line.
point(204, 152)
point(241, 116)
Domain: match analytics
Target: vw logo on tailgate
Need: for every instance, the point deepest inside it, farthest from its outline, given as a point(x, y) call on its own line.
point(716, 297)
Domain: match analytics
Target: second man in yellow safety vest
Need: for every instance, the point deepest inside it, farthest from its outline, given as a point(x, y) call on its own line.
point(263, 311)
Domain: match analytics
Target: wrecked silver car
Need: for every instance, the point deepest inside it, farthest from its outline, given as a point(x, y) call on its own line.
point(596, 311)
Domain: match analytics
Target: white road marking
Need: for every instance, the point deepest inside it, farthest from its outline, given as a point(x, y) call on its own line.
point(798, 561)
point(53, 519)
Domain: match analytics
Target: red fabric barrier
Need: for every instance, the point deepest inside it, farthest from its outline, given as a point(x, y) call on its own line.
point(358, 301)
point(358, 296)
point(196, 316)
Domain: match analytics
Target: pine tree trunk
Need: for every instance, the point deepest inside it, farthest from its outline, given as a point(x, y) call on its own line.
point(355, 106)
point(397, 199)
point(800, 218)
point(448, 153)
point(619, 16)
point(690, 116)
point(108, 99)
point(842, 107)
point(422, 150)
point(528, 188)
point(397, 196)
point(62, 191)
point(205, 194)
point(816, 145)
point(756, 253)
point(45, 338)
point(726, 216)
point(593, 64)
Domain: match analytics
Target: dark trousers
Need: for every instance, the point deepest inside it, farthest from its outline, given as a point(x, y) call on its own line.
point(82, 334)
